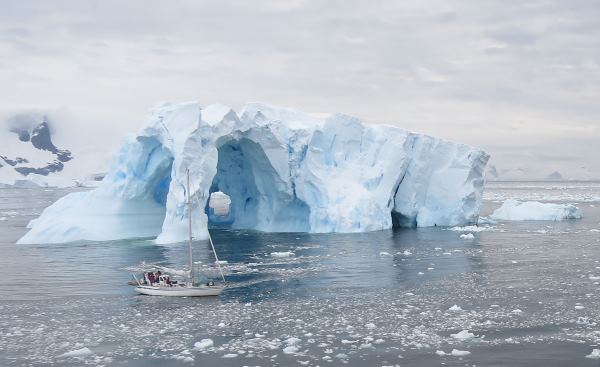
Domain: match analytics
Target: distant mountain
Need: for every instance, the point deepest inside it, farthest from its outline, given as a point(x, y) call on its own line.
point(554, 176)
point(494, 173)
point(34, 137)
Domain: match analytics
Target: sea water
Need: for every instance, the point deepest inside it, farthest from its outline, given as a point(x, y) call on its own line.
point(517, 294)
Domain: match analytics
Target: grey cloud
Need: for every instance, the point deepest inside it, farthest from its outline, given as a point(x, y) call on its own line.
point(458, 70)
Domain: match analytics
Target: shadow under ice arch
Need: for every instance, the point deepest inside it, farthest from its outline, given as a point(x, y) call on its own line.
point(260, 199)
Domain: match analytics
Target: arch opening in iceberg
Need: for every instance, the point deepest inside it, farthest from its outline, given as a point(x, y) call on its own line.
point(260, 199)
point(218, 210)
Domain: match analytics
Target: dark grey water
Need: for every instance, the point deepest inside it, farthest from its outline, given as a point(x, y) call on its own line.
point(527, 290)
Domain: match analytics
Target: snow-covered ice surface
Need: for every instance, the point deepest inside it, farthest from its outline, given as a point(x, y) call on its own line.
point(284, 171)
point(526, 294)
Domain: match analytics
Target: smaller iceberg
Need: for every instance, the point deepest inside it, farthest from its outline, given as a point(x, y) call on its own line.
point(533, 210)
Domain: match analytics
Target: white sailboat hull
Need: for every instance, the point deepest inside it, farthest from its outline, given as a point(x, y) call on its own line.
point(180, 291)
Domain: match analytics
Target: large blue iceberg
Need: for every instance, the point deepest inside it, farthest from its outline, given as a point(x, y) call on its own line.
point(284, 171)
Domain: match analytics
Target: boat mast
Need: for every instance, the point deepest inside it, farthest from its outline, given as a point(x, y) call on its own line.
point(190, 227)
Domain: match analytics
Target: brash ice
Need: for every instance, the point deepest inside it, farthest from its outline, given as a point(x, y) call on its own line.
point(284, 171)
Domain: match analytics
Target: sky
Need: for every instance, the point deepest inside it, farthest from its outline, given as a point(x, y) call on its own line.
point(520, 79)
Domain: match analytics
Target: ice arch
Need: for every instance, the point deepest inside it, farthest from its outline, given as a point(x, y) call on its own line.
point(260, 199)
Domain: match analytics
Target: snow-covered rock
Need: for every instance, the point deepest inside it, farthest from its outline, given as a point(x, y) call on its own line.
point(282, 169)
point(532, 210)
point(27, 147)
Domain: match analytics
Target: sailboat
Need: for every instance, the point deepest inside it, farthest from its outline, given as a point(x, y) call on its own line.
point(164, 286)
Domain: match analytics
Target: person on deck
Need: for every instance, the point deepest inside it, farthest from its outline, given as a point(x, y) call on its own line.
point(151, 278)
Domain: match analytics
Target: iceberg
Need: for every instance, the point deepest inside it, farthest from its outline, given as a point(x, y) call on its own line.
point(283, 170)
point(533, 210)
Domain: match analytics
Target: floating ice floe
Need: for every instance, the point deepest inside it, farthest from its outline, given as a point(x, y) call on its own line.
point(467, 236)
point(282, 254)
point(463, 335)
point(594, 355)
point(293, 341)
point(77, 353)
point(459, 353)
point(534, 210)
point(292, 345)
point(455, 353)
point(472, 228)
point(203, 344)
point(290, 349)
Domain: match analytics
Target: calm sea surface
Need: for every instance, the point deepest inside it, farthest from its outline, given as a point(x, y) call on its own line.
point(518, 294)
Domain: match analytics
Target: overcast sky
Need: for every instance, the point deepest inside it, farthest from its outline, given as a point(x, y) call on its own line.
point(520, 79)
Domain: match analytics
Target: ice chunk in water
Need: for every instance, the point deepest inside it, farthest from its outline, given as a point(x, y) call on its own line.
point(203, 344)
point(463, 335)
point(533, 210)
point(77, 353)
point(594, 355)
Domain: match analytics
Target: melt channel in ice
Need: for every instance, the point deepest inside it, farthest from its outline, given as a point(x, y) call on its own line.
point(283, 170)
